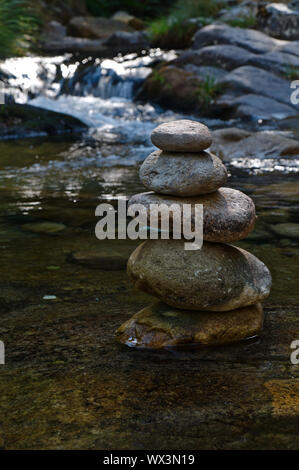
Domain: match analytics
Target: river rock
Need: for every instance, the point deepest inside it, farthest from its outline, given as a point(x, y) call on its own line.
point(182, 136)
point(181, 174)
point(287, 230)
point(250, 39)
point(249, 79)
point(220, 55)
point(233, 143)
point(228, 214)
point(105, 260)
point(217, 277)
point(279, 20)
point(161, 326)
point(91, 27)
point(128, 19)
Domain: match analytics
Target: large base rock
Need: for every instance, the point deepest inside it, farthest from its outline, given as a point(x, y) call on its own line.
point(160, 326)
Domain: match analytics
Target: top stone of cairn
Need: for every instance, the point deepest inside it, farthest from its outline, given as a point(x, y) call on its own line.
point(182, 136)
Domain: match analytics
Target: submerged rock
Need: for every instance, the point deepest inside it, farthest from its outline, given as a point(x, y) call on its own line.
point(286, 230)
point(217, 277)
point(182, 174)
point(48, 228)
point(228, 214)
point(160, 326)
point(98, 259)
point(23, 120)
point(182, 136)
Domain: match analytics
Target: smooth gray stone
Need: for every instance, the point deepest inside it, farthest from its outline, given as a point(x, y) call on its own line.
point(182, 136)
point(180, 174)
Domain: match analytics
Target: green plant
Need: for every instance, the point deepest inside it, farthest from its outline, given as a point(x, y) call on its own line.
point(245, 22)
point(17, 23)
point(291, 73)
point(175, 30)
point(208, 90)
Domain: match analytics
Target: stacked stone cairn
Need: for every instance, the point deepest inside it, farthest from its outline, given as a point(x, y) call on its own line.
point(207, 297)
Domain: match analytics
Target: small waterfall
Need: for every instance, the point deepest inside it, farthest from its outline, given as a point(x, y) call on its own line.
point(26, 78)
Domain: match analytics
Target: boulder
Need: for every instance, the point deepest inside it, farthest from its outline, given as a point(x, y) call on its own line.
point(224, 56)
point(276, 61)
point(254, 107)
point(180, 174)
point(129, 20)
point(204, 72)
point(243, 12)
point(181, 136)
point(217, 277)
point(160, 326)
point(91, 27)
point(172, 87)
point(121, 39)
point(279, 20)
point(250, 39)
point(233, 143)
point(23, 120)
point(249, 79)
point(228, 214)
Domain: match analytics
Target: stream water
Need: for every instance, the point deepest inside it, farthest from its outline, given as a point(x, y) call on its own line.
point(61, 180)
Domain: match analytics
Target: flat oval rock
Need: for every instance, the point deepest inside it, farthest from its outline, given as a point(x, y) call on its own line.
point(160, 326)
point(182, 136)
point(228, 214)
point(217, 277)
point(179, 174)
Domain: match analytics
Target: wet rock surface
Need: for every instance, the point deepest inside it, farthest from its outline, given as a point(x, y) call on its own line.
point(228, 215)
point(160, 326)
point(182, 174)
point(217, 277)
point(22, 120)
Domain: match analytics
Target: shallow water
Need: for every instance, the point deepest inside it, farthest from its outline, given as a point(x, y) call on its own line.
point(66, 383)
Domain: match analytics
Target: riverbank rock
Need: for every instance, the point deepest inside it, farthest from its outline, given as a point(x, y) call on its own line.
point(23, 120)
point(182, 174)
point(249, 79)
point(217, 277)
point(91, 27)
point(161, 326)
point(129, 20)
point(250, 39)
point(181, 136)
point(279, 20)
point(233, 143)
point(228, 214)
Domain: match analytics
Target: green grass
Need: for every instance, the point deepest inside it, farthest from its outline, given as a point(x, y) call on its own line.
point(291, 73)
point(246, 22)
point(174, 29)
point(17, 23)
point(208, 91)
